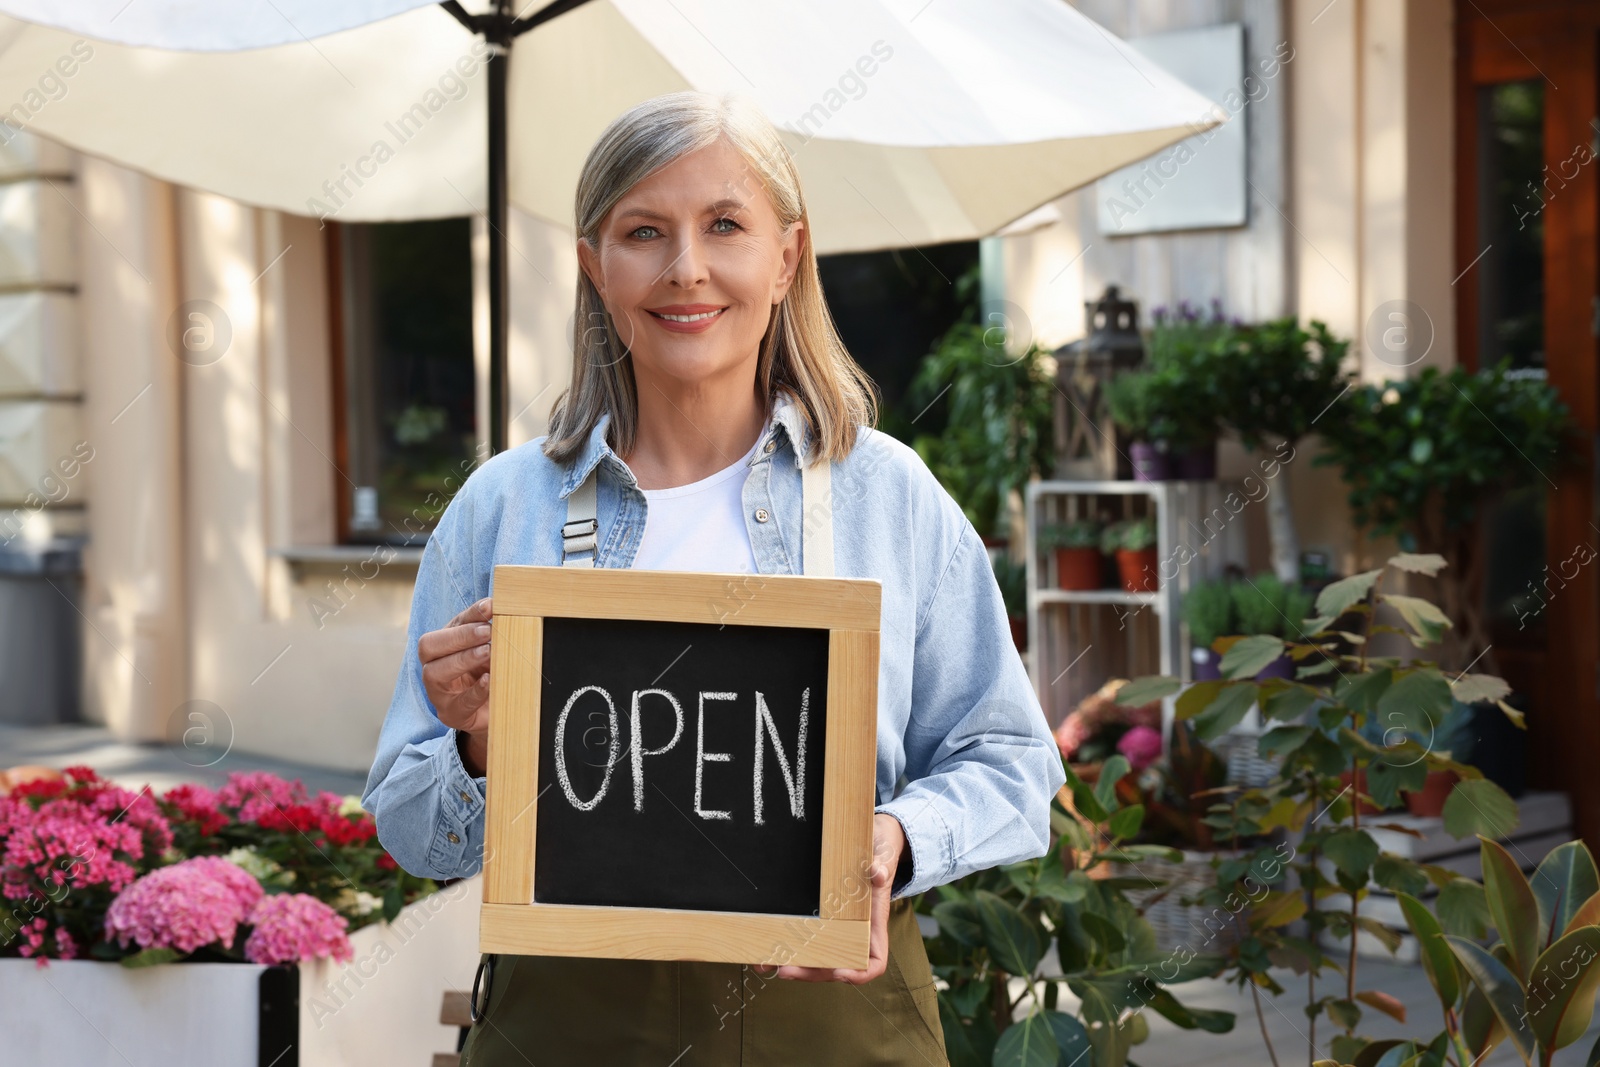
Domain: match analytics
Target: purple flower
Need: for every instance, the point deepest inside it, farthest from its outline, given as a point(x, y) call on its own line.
point(1142, 746)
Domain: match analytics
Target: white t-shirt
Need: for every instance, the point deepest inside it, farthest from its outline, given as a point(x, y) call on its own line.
point(700, 526)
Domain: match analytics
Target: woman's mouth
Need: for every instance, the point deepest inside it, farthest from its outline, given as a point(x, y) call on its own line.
point(687, 322)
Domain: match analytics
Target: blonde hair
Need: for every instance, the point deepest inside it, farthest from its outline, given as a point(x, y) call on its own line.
point(801, 350)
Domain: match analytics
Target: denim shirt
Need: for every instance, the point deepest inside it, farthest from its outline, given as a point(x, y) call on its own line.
point(966, 762)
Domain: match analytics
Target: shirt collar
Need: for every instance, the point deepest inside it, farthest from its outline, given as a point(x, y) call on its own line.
point(786, 413)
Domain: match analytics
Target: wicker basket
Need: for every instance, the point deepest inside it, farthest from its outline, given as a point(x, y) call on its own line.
point(1203, 931)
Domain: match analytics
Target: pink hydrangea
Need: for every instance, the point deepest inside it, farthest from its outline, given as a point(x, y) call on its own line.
point(1142, 746)
point(291, 927)
point(183, 906)
point(240, 882)
point(256, 793)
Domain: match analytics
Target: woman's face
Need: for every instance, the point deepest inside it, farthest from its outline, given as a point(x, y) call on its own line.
point(697, 240)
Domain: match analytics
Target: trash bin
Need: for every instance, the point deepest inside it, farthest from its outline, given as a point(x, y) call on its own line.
point(40, 631)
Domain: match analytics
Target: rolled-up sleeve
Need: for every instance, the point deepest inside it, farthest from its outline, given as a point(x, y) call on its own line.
point(981, 764)
point(428, 809)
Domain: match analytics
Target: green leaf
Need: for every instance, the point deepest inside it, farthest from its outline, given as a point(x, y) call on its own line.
point(1425, 620)
point(958, 920)
point(1416, 702)
point(1105, 934)
point(1437, 960)
point(1247, 657)
point(1480, 1028)
point(1564, 881)
point(1225, 712)
point(1179, 1014)
point(1428, 563)
point(1282, 740)
point(1197, 698)
point(1393, 771)
point(1105, 788)
point(1337, 597)
point(1126, 823)
point(1479, 688)
point(1013, 943)
point(150, 957)
point(1463, 909)
point(1288, 704)
point(1352, 851)
point(1142, 691)
point(1347, 1013)
point(1594, 1054)
point(1478, 806)
point(1562, 988)
point(1361, 692)
point(1398, 874)
point(393, 901)
point(1500, 988)
point(1109, 1040)
point(1071, 1038)
point(1029, 1043)
point(1511, 906)
point(1083, 798)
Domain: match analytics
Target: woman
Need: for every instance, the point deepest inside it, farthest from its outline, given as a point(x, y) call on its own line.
point(709, 395)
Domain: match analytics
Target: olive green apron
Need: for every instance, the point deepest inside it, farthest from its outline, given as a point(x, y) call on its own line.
point(555, 1011)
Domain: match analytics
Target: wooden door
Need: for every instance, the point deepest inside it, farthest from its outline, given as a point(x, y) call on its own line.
point(1528, 253)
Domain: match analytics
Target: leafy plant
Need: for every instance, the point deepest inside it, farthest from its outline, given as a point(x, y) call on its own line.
point(1208, 611)
point(1130, 534)
point(1316, 726)
point(999, 925)
point(1536, 986)
point(1266, 605)
point(1424, 456)
point(997, 412)
point(1082, 533)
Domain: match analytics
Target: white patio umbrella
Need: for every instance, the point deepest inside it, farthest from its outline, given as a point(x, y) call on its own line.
point(912, 121)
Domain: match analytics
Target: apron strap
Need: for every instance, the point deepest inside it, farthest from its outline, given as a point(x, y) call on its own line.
point(580, 532)
point(816, 524)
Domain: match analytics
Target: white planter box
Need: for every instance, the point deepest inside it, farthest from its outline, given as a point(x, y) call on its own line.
point(380, 1009)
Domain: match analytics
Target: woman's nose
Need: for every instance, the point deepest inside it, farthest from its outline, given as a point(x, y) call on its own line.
point(687, 268)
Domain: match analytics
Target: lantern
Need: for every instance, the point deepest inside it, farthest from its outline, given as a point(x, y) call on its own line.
point(1087, 444)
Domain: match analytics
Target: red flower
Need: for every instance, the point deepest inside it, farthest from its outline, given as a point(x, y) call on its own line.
point(386, 863)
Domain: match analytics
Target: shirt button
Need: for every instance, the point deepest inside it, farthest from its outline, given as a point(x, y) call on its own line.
point(771, 444)
point(466, 797)
point(761, 515)
point(454, 840)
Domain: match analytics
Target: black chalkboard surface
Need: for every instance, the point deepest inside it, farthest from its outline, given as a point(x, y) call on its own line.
point(715, 803)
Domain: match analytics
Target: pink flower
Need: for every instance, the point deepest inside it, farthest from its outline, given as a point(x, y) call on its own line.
point(258, 793)
point(1073, 732)
point(184, 906)
point(1142, 746)
point(291, 927)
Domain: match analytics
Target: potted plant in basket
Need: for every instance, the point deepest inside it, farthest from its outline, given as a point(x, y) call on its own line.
point(1133, 544)
point(1076, 545)
point(1099, 728)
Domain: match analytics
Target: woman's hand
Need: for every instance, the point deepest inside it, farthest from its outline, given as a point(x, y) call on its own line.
point(888, 845)
point(455, 672)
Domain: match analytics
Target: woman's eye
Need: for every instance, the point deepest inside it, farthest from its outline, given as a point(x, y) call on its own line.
point(729, 221)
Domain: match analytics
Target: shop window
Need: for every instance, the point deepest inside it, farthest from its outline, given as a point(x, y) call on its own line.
point(405, 428)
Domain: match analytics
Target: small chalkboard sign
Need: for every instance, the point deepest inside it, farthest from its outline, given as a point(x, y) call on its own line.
point(681, 766)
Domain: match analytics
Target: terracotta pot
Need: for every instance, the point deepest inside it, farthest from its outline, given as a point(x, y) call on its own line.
point(1360, 780)
point(1078, 568)
point(1149, 463)
point(1137, 568)
point(1197, 464)
point(1019, 632)
point(1428, 802)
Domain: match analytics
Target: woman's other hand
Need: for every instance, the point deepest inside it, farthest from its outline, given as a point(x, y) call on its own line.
point(455, 673)
point(888, 844)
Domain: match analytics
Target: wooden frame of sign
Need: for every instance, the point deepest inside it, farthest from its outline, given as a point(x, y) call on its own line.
point(513, 922)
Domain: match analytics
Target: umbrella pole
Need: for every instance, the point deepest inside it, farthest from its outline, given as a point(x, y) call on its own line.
point(499, 210)
point(499, 29)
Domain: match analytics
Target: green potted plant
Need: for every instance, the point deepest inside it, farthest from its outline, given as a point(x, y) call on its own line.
point(1316, 727)
point(1076, 546)
point(1133, 399)
point(1274, 381)
point(1208, 612)
point(1133, 543)
point(1185, 346)
point(1424, 456)
point(999, 926)
point(1266, 605)
point(986, 418)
